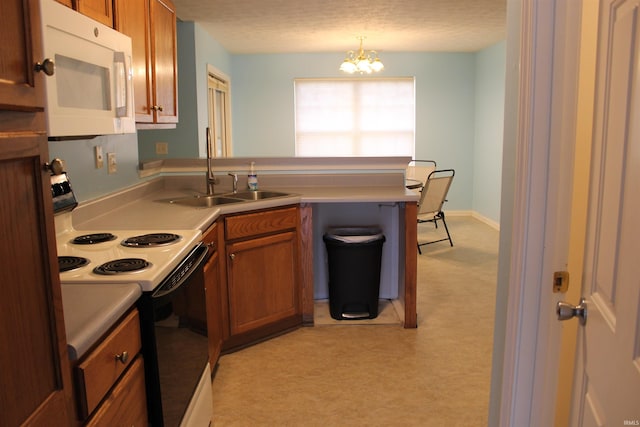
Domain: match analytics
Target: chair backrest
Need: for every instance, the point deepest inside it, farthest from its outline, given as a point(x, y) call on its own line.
point(418, 169)
point(434, 193)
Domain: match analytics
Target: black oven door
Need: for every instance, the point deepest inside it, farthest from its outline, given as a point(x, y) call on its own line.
point(174, 339)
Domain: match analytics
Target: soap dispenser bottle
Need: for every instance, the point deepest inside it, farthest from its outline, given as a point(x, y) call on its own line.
point(252, 178)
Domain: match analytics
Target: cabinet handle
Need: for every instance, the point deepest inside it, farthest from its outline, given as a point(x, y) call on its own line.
point(56, 166)
point(157, 108)
point(232, 256)
point(47, 66)
point(123, 357)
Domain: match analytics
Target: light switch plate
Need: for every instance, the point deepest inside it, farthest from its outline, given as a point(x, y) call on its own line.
point(162, 148)
point(112, 164)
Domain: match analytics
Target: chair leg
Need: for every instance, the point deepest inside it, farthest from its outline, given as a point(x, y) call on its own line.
point(419, 251)
point(446, 228)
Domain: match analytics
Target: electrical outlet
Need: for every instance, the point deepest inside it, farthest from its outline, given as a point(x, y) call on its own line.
point(112, 163)
point(162, 148)
point(99, 157)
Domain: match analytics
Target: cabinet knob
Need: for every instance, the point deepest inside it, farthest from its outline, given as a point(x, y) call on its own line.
point(232, 256)
point(56, 167)
point(212, 246)
point(47, 66)
point(123, 357)
point(157, 108)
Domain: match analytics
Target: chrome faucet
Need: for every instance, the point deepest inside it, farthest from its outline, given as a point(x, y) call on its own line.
point(210, 178)
point(235, 181)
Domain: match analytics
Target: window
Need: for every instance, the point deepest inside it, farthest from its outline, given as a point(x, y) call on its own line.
point(355, 117)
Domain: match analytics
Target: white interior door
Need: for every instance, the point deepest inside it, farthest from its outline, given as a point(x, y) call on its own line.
point(607, 391)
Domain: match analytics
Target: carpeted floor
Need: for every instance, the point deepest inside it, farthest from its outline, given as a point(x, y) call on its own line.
point(338, 374)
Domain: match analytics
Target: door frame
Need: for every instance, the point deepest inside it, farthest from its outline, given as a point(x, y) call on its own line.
point(539, 141)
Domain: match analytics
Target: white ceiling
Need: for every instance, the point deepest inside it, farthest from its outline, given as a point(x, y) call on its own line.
point(295, 26)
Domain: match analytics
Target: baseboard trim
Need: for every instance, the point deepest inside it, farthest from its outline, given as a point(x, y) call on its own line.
point(491, 223)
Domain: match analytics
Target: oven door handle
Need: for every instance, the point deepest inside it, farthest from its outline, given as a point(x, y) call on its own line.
point(189, 265)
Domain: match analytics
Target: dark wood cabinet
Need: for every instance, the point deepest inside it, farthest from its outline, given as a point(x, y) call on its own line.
point(263, 275)
point(34, 365)
point(151, 24)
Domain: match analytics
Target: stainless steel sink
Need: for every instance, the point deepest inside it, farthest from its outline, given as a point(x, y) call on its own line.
point(256, 195)
point(206, 201)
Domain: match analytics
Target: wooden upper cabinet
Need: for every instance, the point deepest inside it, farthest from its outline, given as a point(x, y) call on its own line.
point(34, 365)
point(133, 19)
point(151, 24)
point(100, 10)
point(165, 61)
point(21, 88)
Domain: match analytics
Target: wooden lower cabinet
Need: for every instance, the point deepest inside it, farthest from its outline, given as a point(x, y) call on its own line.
point(213, 295)
point(110, 382)
point(262, 281)
point(126, 405)
point(263, 275)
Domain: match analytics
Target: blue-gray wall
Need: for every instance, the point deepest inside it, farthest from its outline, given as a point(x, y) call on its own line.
point(263, 106)
point(489, 125)
point(459, 109)
point(195, 50)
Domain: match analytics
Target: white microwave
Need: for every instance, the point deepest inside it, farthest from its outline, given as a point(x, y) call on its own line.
point(89, 83)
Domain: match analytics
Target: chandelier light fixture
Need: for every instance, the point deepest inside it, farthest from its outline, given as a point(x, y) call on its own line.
point(361, 61)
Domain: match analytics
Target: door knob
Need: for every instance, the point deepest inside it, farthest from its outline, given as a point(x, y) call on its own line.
point(568, 311)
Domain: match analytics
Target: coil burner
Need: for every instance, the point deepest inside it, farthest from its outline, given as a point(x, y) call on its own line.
point(68, 263)
point(91, 239)
point(124, 265)
point(153, 239)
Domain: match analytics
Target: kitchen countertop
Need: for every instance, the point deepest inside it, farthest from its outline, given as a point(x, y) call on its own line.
point(91, 310)
point(148, 206)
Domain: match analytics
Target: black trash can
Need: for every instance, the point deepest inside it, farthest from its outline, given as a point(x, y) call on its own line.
point(354, 258)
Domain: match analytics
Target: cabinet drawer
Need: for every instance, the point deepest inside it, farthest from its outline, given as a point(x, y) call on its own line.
point(253, 224)
point(126, 405)
point(99, 371)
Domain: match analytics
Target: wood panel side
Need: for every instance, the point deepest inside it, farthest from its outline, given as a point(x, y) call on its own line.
point(305, 251)
point(408, 295)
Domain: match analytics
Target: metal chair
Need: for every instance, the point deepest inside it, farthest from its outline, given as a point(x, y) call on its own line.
point(432, 197)
point(415, 172)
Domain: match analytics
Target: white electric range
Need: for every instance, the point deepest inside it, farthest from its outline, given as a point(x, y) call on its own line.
point(145, 257)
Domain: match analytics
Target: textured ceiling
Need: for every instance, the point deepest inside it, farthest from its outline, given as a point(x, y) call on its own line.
point(294, 26)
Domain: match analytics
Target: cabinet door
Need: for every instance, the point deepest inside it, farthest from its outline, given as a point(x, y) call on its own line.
point(164, 56)
point(100, 10)
point(133, 19)
point(262, 282)
point(213, 295)
point(214, 307)
point(34, 366)
point(21, 88)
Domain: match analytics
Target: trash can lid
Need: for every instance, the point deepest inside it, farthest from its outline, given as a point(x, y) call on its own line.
point(354, 234)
